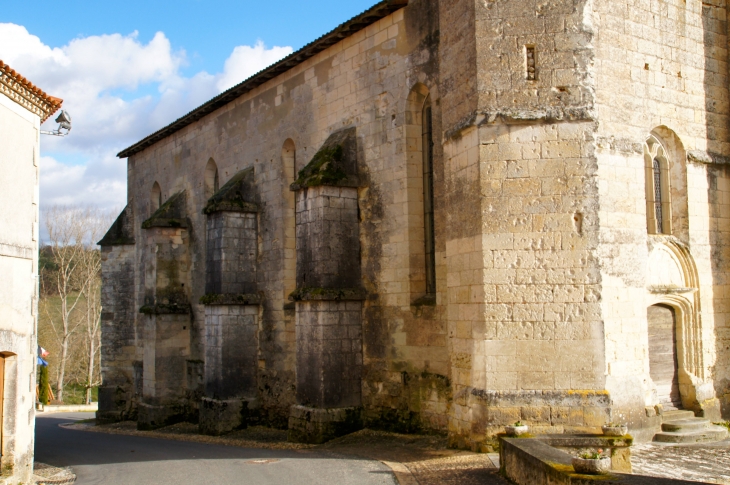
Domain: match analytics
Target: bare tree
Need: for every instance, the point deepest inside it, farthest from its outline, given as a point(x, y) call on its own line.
point(91, 269)
point(70, 236)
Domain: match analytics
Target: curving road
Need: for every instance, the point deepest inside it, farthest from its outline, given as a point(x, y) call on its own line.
point(99, 458)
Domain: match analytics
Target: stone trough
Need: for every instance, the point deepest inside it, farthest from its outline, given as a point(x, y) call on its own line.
point(545, 460)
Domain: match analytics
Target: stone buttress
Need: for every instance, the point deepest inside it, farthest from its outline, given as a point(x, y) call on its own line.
point(231, 307)
point(329, 294)
point(120, 363)
point(167, 321)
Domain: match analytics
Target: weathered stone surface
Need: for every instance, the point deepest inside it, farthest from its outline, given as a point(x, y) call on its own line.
point(334, 165)
point(231, 351)
point(314, 425)
point(547, 245)
point(329, 354)
point(237, 195)
point(219, 417)
point(170, 214)
point(122, 231)
point(231, 253)
point(158, 416)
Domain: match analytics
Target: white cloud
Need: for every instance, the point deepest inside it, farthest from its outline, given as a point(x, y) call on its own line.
point(105, 83)
point(101, 183)
point(246, 61)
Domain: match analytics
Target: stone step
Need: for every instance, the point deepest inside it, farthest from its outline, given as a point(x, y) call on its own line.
point(712, 433)
point(675, 415)
point(686, 425)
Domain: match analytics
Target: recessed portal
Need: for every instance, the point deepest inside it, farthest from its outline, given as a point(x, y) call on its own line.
point(663, 366)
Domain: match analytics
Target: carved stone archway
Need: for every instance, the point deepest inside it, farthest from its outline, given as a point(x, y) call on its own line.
point(672, 280)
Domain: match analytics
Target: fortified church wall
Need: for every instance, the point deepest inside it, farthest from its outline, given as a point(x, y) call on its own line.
point(435, 217)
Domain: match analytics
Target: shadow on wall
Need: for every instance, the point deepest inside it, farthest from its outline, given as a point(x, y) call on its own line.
point(714, 27)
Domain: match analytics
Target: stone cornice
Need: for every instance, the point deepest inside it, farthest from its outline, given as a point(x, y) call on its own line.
point(23, 92)
point(514, 116)
point(709, 158)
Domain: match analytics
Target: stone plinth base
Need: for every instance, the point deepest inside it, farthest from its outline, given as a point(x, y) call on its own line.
point(221, 417)
point(107, 417)
point(115, 404)
point(151, 417)
point(315, 426)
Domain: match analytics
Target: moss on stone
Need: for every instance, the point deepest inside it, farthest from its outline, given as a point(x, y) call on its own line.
point(230, 299)
point(334, 164)
point(170, 214)
point(327, 294)
point(120, 233)
point(324, 169)
point(165, 309)
point(235, 196)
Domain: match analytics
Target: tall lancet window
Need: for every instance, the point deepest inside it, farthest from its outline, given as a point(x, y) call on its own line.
point(658, 206)
point(657, 172)
point(429, 235)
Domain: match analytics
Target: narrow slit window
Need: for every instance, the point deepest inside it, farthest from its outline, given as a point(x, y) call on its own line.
point(531, 63)
point(657, 172)
point(428, 223)
point(155, 198)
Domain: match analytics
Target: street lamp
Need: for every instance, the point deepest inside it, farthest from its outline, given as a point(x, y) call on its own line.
point(64, 125)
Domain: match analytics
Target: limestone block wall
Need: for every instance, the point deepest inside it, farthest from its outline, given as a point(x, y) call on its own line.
point(231, 251)
point(329, 353)
point(167, 272)
point(118, 356)
point(535, 58)
point(166, 351)
point(362, 81)
point(165, 318)
point(328, 238)
point(710, 242)
point(525, 314)
point(231, 351)
point(122, 352)
point(522, 273)
point(539, 113)
point(329, 327)
point(661, 69)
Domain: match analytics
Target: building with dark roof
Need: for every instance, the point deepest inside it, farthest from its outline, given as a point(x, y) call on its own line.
point(444, 216)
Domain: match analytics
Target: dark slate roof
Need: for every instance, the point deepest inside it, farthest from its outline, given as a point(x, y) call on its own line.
point(352, 26)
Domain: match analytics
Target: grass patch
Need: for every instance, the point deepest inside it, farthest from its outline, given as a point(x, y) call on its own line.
point(76, 394)
point(724, 424)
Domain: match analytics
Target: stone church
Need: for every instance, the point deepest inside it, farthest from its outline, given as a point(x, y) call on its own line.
point(442, 216)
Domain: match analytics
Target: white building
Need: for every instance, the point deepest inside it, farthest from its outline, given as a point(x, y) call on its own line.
point(23, 107)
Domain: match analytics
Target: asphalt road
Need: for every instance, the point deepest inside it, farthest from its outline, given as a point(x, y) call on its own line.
point(131, 460)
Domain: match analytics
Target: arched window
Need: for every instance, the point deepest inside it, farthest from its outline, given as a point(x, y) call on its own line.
point(211, 179)
point(658, 203)
point(428, 218)
point(155, 198)
point(657, 174)
point(420, 194)
point(289, 161)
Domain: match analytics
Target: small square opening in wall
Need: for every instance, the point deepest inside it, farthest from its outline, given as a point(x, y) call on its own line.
point(531, 62)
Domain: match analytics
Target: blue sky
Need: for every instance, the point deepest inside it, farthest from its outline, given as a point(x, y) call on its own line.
point(125, 69)
point(207, 30)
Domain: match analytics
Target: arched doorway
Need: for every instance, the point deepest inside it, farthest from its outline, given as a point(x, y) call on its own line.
point(663, 364)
